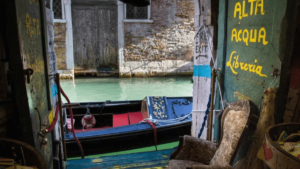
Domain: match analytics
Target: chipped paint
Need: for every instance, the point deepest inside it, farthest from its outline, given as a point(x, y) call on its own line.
point(97, 160)
point(241, 96)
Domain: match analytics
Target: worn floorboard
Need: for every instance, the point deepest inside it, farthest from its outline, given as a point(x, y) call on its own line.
point(154, 159)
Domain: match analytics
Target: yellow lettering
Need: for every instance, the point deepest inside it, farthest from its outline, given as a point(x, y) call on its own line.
point(238, 8)
point(251, 7)
point(239, 35)
point(245, 39)
point(244, 67)
point(236, 65)
point(28, 23)
point(252, 68)
point(258, 71)
point(259, 3)
point(229, 63)
point(34, 25)
point(38, 32)
point(253, 37)
point(262, 35)
point(244, 14)
point(234, 35)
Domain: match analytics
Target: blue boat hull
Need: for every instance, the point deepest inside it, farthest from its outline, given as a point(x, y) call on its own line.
point(174, 122)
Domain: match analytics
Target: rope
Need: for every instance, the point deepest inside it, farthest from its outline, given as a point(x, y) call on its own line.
point(51, 127)
point(154, 130)
point(205, 117)
point(72, 122)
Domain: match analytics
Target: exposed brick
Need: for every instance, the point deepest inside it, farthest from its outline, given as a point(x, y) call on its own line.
point(169, 37)
point(60, 45)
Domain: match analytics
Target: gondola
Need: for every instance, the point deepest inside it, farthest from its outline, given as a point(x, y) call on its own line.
point(111, 126)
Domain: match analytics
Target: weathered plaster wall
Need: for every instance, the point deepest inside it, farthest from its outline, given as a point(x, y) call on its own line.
point(164, 47)
point(60, 45)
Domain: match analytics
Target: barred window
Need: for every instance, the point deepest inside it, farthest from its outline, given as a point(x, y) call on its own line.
point(133, 12)
point(57, 9)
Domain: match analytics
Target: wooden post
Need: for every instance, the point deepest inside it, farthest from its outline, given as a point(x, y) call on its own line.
point(202, 70)
point(211, 113)
point(61, 117)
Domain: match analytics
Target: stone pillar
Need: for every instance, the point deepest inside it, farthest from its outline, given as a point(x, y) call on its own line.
point(69, 35)
point(120, 35)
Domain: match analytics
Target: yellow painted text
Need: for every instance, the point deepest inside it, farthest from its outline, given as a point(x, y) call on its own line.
point(234, 64)
point(32, 26)
point(249, 36)
point(240, 10)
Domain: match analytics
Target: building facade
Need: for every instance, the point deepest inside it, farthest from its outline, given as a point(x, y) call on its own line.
point(109, 38)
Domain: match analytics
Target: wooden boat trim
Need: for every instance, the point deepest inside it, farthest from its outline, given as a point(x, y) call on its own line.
point(125, 134)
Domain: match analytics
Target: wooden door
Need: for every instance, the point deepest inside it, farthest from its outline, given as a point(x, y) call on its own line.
point(95, 36)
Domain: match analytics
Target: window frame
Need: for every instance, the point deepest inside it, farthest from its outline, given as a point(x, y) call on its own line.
point(148, 20)
point(63, 16)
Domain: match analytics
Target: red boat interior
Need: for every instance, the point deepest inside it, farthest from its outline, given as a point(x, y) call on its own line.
point(119, 120)
point(110, 116)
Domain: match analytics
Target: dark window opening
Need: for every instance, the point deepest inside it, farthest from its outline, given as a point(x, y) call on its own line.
point(57, 9)
point(136, 12)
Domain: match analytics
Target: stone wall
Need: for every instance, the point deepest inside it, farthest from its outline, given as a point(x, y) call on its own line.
point(164, 47)
point(60, 45)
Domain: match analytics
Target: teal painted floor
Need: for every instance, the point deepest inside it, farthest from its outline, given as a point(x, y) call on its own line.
point(154, 159)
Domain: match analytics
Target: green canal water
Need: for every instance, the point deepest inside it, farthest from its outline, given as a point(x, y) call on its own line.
point(102, 89)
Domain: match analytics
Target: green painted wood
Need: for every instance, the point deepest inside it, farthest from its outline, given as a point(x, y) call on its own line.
point(139, 150)
point(261, 58)
point(134, 160)
point(27, 49)
point(277, 21)
point(241, 84)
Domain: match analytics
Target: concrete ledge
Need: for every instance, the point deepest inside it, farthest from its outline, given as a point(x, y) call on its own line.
point(138, 21)
point(60, 21)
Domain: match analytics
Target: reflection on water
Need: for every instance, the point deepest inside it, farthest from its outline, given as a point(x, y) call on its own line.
point(102, 89)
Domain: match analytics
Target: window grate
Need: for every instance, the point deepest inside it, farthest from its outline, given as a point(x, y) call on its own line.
point(57, 9)
point(136, 12)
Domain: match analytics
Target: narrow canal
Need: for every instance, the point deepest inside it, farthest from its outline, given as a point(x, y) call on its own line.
point(102, 89)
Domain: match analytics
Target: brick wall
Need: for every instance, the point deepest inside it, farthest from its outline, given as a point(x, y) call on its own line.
point(163, 47)
point(60, 45)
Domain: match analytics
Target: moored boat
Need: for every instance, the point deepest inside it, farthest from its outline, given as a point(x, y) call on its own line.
point(111, 126)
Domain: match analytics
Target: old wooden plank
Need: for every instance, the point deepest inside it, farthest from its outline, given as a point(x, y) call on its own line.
point(203, 55)
point(135, 160)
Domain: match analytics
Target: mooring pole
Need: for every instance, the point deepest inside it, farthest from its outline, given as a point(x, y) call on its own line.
point(211, 113)
point(60, 116)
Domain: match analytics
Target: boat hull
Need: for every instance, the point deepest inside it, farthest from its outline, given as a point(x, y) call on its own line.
point(171, 116)
point(128, 141)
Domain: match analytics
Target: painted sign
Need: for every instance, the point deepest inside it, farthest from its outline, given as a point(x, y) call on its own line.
point(253, 31)
point(246, 36)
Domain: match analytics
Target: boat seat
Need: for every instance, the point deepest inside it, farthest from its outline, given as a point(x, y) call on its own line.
point(120, 120)
point(135, 117)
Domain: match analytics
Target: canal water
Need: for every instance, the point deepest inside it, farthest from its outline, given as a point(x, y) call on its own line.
point(102, 89)
point(114, 89)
